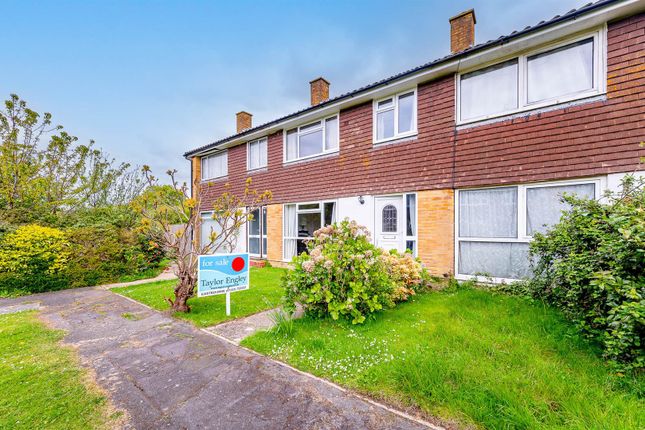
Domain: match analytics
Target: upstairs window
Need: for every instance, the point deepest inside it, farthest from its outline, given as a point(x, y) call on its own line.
point(215, 166)
point(256, 154)
point(310, 140)
point(564, 73)
point(395, 116)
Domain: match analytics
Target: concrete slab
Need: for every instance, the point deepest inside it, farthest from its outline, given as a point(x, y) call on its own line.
point(168, 374)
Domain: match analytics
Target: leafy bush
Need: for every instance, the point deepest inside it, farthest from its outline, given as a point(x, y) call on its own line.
point(33, 259)
point(344, 275)
point(591, 265)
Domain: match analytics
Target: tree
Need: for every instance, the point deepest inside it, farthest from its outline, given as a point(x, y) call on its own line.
point(39, 179)
point(174, 217)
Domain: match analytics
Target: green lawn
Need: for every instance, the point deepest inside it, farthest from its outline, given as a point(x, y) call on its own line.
point(468, 356)
point(264, 293)
point(41, 382)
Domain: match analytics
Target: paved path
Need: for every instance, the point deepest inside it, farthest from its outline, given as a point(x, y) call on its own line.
point(168, 374)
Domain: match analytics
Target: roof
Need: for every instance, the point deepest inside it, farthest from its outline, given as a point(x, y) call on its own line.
point(570, 15)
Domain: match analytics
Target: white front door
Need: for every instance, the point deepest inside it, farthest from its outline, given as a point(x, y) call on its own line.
point(389, 223)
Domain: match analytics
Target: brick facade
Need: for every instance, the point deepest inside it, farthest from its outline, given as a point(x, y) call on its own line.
point(436, 240)
point(585, 139)
point(274, 233)
point(462, 31)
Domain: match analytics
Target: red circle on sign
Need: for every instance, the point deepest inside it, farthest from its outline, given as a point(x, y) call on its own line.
point(238, 264)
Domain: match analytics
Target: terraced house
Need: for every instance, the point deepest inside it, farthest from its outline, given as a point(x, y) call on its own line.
point(460, 160)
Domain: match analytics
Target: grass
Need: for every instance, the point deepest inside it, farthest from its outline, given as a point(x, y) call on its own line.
point(471, 357)
point(151, 272)
point(264, 293)
point(41, 382)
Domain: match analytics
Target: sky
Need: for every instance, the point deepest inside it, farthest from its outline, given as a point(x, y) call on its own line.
point(149, 80)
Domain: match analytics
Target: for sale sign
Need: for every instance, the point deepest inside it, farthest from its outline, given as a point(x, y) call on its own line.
point(224, 273)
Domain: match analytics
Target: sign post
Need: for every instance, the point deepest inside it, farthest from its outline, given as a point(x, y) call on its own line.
point(222, 274)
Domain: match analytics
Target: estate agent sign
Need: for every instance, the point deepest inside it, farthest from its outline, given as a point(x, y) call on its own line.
point(222, 274)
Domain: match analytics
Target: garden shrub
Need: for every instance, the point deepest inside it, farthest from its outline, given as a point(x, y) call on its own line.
point(343, 274)
point(33, 259)
point(591, 265)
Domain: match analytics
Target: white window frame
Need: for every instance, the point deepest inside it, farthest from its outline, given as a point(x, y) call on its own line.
point(261, 236)
point(308, 131)
point(599, 36)
point(320, 210)
point(224, 154)
point(248, 153)
point(415, 235)
point(522, 237)
point(395, 101)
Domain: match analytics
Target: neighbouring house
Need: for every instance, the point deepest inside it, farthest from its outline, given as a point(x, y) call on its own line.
point(459, 160)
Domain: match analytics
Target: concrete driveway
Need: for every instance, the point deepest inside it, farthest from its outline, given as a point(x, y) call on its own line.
point(168, 374)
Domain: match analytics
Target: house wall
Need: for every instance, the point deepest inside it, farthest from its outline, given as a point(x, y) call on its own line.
point(586, 139)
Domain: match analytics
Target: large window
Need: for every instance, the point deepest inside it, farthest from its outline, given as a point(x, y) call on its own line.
point(301, 221)
point(310, 140)
point(395, 116)
point(257, 233)
point(495, 225)
point(256, 154)
point(550, 76)
point(215, 166)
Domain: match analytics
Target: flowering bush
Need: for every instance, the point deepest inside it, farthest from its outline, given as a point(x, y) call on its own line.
point(407, 273)
point(345, 275)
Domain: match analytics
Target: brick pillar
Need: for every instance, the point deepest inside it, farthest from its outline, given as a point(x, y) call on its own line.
point(319, 91)
point(462, 31)
point(436, 226)
point(274, 233)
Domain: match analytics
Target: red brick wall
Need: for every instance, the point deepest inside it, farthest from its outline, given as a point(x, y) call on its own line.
point(584, 140)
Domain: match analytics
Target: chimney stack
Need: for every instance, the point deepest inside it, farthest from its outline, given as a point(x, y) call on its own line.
point(319, 91)
point(462, 31)
point(243, 121)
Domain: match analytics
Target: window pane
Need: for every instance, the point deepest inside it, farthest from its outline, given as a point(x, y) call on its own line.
point(307, 206)
point(560, 72)
point(489, 91)
point(310, 144)
point(292, 136)
point(264, 246)
point(385, 124)
point(488, 213)
point(385, 103)
point(544, 207)
point(410, 215)
point(411, 245)
point(254, 156)
point(331, 133)
point(254, 224)
point(330, 213)
point(264, 221)
point(389, 219)
point(254, 245)
point(499, 260)
point(263, 152)
point(310, 126)
point(406, 112)
point(308, 223)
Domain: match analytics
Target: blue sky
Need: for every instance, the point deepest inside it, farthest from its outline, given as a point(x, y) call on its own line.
point(149, 80)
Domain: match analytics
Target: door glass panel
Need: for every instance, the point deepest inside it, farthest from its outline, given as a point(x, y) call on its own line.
point(389, 224)
point(254, 245)
point(329, 213)
point(254, 224)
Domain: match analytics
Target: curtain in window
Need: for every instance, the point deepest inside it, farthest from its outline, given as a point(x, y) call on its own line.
point(560, 72)
point(499, 260)
point(488, 213)
point(489, 91)
point(290, 231)
point(544, 205)
point(411, 215)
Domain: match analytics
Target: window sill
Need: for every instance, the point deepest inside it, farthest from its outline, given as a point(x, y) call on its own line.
point(257, 170)
point(394, 140)
point(217, 179)
point(311, 158)
point(530, 110)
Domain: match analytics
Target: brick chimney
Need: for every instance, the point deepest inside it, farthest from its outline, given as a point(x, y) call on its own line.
point(462, 31)
point(243, 121)
point(319, 91)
